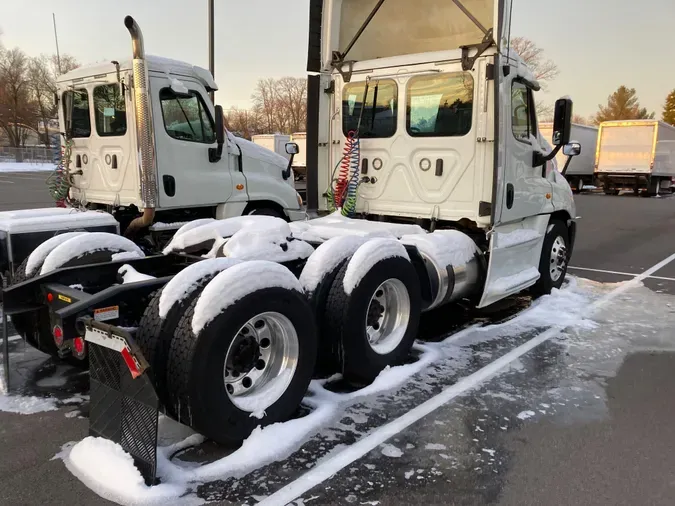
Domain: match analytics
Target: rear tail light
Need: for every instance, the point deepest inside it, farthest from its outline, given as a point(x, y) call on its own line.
point(78, 345)
point(50, 297)
point(58, 335)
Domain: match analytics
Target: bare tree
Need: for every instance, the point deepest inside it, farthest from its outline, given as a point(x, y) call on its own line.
point(578, 119)
point(42, 88)
point(67, 63)
point(544, 70)
point(281, 104)
point(18, 111)
point(243, 123)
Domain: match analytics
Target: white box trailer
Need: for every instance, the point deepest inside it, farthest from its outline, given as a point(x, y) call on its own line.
point(581, 169)
point(273, 142)
point(300, 160)
point(637, 155)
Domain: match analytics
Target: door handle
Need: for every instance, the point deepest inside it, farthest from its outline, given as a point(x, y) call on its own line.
point(114, 162)
point(169, 185)
point(510, 195)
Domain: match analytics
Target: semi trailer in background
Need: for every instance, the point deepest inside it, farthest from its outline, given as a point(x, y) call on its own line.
point(637, 155)
point(273, 142)
point(580, 170)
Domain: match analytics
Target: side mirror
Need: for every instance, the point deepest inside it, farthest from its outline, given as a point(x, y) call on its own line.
point(292, 149)
point(215, 154)
point(572, 149)
point(562, 121)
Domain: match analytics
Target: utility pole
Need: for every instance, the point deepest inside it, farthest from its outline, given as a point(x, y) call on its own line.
point(211, 46)
point(56, 38)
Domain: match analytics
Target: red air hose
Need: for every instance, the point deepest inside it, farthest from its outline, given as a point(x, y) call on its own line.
point(344, 175)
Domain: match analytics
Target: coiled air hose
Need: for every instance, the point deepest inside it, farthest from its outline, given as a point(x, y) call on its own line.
point(59, 183)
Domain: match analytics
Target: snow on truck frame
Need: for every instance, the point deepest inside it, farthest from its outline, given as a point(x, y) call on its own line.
point(433, 185)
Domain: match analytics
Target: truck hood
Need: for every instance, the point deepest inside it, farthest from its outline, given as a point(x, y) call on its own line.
point(259, 159)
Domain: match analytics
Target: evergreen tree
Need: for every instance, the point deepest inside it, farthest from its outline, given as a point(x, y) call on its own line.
point(622, 104)
point(669, 109)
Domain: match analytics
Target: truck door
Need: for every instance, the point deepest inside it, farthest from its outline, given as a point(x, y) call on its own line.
point(184, 132)
point(526, 191)
point(102, 141)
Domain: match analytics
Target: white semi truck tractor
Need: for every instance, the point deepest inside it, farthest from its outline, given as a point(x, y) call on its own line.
point(429, 184)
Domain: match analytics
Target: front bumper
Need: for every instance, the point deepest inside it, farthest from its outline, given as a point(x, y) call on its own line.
point(296, 214)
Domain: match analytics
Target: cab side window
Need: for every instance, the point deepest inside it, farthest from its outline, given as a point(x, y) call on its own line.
point(523, 116)
point(186, 117)
point(76, 113)
point(109, 111)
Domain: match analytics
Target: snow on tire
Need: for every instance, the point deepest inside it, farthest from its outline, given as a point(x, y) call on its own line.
point(316, 278)
point(90, 248)
point(162, 316)
point(243, 358)
point(373, 310)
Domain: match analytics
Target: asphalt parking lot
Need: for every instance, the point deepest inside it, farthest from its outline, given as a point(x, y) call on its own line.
point(520, 415)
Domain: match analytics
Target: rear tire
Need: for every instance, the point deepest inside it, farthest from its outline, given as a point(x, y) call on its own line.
point(198, 385)
point(155, 335)
point(554, 259)
point(376, 324)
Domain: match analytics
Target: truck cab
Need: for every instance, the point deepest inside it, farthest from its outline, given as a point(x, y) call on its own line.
point(105, 130)
point(439, 116)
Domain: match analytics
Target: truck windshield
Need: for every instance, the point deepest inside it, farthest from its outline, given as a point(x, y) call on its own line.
point(378, 115)
point(76, 113)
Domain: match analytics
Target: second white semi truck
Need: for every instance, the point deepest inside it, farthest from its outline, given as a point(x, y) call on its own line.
point(581, 168)
point(434, 185)
point(637, 155)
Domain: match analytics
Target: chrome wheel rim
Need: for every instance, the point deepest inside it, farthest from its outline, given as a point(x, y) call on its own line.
point(261, 361)
point(388, 316)
point(558, 261)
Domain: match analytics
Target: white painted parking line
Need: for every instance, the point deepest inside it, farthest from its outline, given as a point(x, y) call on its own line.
point(619, 273)
point(330, 466)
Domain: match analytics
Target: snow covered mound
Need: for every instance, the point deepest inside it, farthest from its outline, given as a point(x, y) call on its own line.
point(80, 245)
point(367, 256)
point(327, 257)
point(191, 235)
point(335, 225)
point(445, 247)
point(267, 241)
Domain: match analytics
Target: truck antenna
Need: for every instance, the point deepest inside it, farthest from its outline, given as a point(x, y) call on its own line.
point(56, 39)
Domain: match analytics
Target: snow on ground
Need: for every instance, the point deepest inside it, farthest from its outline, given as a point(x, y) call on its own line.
point(24, 405)
point(26, 167)
point(107, 470)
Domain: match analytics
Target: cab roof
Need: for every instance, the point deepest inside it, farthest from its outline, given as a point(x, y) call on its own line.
point(155, 64)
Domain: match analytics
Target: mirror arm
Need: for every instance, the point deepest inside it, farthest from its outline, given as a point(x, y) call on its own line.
point(215, 154)
point(567, 165)
point(539, 160)
point(287, 173)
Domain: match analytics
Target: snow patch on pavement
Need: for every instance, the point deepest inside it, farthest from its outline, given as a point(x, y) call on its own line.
point(524, 415)
point(26, 167)
point(389, 450)
point(24, 405)
point(435, 446)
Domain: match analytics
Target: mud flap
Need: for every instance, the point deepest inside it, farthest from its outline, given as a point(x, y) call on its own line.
point(515, 250)
point(124, 407)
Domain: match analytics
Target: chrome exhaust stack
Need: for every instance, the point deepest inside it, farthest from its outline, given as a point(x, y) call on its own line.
point(144, 129)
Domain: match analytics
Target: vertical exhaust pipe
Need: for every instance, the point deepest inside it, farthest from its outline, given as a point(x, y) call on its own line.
point(144, 129)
